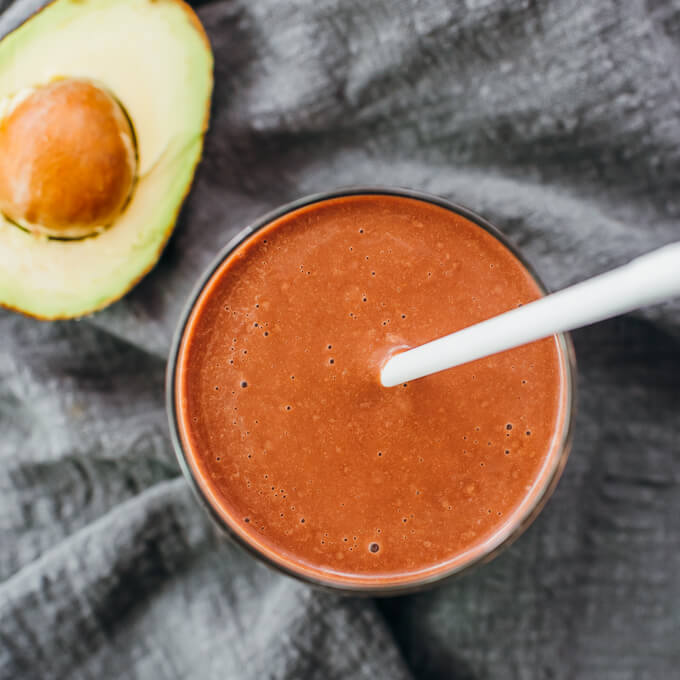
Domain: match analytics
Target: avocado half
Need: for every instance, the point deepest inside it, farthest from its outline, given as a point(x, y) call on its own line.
point(103, 109)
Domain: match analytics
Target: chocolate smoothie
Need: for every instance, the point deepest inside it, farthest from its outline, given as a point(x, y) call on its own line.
point(291, 437)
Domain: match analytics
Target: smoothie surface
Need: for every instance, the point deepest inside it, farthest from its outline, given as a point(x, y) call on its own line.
point(291, 436)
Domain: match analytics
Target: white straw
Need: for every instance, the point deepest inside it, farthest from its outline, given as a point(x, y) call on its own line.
point(645, 280)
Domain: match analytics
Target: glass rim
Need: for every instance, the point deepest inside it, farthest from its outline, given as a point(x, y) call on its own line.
point(518, 521)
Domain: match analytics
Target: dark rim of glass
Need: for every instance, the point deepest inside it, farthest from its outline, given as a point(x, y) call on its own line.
point(357, 588)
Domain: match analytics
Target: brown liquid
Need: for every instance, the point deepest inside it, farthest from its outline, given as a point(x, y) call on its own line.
point(290, 433)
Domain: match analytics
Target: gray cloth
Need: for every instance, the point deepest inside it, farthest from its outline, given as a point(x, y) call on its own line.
point(560, 121)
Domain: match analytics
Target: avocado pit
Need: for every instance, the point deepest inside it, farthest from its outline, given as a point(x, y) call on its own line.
point(68, 159)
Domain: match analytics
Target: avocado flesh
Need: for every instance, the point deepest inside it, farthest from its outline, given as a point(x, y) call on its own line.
point(155, 59)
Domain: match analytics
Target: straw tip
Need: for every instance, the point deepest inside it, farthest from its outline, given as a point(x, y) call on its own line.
point(388, 375)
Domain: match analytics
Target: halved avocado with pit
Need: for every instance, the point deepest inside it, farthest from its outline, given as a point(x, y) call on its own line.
point(103, 109)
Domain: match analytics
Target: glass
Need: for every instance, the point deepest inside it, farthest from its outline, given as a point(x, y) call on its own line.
point(522, 517)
